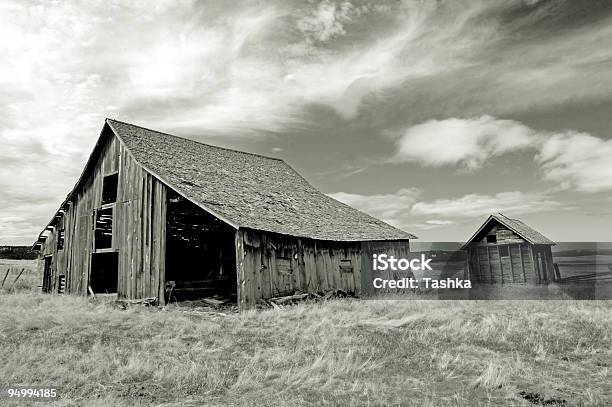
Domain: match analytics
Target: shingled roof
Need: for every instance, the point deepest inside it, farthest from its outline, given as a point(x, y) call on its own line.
point(529, 234)
point(249, 190)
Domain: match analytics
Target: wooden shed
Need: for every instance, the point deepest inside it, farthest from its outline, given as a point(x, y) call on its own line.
point(507, 251)
point(155, 215)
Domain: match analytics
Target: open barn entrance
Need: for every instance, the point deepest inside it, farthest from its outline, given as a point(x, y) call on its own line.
point(200, 254)
point(104, 272)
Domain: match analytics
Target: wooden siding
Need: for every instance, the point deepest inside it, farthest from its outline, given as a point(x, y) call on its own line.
point(270, 265)
point(502, 234)
point(521, 264)
point(138, 227)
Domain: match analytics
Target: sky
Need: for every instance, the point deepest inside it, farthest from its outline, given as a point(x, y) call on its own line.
point(429, 115)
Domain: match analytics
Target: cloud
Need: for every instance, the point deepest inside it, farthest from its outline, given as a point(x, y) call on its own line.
point(438, 222)
point(572, 159)
point(578, 161)
point(391, 208)
point(406, 210)
point(476, 205)
point(325, 21)
point(248, 71)
point(468, 142)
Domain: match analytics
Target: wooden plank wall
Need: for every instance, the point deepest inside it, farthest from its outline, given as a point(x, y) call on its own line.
point(139, 227)
point(140, 231)
point(270, 265)
point(487, 266)
point(547, 273)
point(503, 235)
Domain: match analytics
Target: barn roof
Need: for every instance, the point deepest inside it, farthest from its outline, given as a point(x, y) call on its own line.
point(247, 190)
point(520, 228)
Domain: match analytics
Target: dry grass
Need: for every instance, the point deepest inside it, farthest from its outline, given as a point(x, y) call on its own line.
point(343, 352)
point(29, 281)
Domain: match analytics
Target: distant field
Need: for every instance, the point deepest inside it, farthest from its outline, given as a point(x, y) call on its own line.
point(342, 352)
point(585, 265)
point(30, 280)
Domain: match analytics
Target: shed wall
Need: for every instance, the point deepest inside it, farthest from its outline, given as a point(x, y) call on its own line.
point(510, 264)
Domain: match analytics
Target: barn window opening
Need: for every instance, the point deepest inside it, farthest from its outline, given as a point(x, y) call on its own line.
point(104, 272)
point(47, 274)
point(104, 229)
point(503, 251)
point(491, 239)
point(61, 237)
point(109, 189)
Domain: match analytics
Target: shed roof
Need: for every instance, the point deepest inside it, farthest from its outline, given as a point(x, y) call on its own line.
point(248, 190)
point(520, 228)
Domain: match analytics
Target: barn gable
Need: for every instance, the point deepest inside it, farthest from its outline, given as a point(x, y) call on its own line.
point(498, 228)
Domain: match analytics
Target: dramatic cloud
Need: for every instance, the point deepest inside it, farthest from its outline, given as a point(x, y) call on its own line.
point(475, 205)
point(242, 71)
point(573, 160)
point(577, 160)
point(326, 21)
point(391, 208)
point(468, 142)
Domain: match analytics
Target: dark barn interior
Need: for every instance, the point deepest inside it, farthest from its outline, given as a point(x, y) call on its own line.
point(104, 272)
point(200, 253)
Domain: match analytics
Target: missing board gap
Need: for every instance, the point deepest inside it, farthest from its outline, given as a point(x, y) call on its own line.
point(109, 188)
point(61, 238)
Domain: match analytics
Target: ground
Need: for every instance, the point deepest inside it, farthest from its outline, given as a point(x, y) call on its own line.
point(340, 352)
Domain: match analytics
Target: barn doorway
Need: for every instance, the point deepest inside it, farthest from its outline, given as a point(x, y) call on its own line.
point(47, 286)
point(200, 254)
point(104, 272)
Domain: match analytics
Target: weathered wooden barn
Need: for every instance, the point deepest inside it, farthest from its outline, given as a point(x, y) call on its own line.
point(507, 251)
point(154, 215)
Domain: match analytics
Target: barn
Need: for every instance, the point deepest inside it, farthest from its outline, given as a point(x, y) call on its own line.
point(159, 216)
point(507, 251)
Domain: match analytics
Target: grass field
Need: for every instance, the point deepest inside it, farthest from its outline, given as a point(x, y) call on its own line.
point(29, 280)
point(342, 352)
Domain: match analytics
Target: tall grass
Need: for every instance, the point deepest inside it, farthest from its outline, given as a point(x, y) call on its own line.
point(342, 352)
point(22, 276)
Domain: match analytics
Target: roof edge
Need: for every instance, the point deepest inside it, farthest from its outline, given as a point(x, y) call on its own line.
point(107, 120)
point(512, 228)
point(405, 239)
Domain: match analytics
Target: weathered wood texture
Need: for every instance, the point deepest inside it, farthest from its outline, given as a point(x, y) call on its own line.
point(511, 263)
point(510, 259)
point(503, 235)
point(270, 265)
point(139, 223)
